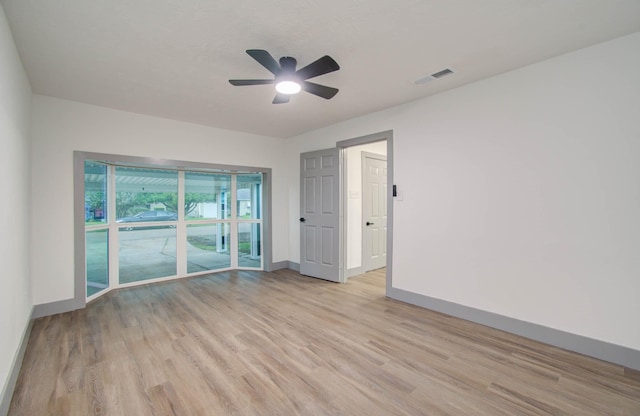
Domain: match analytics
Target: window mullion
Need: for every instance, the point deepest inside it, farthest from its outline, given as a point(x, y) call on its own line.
point(181, 229)
point(233, 246)
point(114, 243)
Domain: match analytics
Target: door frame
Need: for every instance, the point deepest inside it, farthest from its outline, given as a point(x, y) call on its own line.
point(342, 145)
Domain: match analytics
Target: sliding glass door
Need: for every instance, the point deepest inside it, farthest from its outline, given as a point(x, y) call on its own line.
point(147, 224)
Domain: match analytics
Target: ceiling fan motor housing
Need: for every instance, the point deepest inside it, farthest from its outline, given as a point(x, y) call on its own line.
point(288, 64)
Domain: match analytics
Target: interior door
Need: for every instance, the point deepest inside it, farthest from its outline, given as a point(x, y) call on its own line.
point(374, 211)
point(319, 214)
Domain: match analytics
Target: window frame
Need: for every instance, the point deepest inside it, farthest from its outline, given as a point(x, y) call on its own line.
point(80, 227)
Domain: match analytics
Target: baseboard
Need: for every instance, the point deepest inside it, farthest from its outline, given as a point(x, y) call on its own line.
point(279, 265)
point(602, 350)
point(62, 306)
point(293, 266)
point(14, 371)
point(355, 271)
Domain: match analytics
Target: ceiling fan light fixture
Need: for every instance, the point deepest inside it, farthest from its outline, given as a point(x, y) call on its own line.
point(288, 87)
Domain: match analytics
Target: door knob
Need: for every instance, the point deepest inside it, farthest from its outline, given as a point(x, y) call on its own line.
point(369, 223)
point(303, 219)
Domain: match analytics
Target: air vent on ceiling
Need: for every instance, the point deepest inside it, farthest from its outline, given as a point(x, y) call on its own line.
point(443, 73)
point(436, 75)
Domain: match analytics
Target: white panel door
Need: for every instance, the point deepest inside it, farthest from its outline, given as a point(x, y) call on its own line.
point(374, 211)
point(319, 214)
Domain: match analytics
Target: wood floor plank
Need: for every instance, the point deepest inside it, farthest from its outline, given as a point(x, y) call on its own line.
point(256, 343)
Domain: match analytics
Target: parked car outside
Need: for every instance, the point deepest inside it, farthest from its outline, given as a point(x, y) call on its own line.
point(149, 216)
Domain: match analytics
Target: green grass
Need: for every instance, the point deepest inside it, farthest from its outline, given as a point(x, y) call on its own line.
point(244, 247)
point(203, 243)
point(209, 244)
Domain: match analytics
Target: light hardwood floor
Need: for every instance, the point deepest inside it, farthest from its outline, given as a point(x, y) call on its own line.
point(252, 343)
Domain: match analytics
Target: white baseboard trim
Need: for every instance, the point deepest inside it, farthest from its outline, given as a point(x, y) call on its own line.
point(602, 350)
point(14, 371)
point(62, 306)
point(294, 266)
point(279, 265)
point(355, 271)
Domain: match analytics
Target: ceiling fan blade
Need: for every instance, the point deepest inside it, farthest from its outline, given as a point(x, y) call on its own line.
point(319, 90)
point(242, 82)
point(322, 66)
point(281, 99)
point(265, 59)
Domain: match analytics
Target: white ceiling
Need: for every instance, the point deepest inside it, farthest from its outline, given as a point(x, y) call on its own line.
point(172, 58)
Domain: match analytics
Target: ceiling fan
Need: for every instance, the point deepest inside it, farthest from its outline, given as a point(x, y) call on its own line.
point(289, 81)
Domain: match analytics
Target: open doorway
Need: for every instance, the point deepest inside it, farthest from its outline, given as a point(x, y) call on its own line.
point(374, 210)
point(360, 227)
point(356, 233)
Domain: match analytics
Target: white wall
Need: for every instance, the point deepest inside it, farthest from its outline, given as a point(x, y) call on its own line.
point(60, 127)
point(353, 161)
point(15, 289)
point(521, 192)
